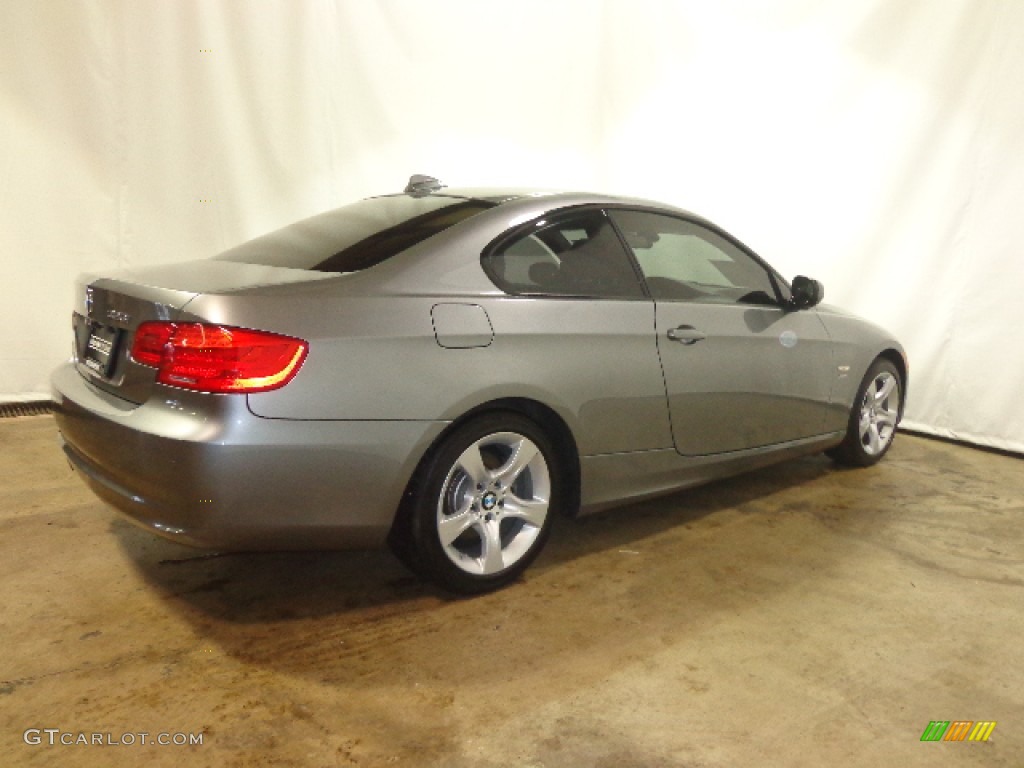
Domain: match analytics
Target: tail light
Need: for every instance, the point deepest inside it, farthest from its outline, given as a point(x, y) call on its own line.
point(216, 358)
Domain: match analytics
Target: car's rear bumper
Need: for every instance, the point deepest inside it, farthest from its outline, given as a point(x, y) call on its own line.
point(203, 470)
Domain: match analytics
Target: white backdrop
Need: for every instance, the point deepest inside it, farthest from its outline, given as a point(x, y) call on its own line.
point(877, 145)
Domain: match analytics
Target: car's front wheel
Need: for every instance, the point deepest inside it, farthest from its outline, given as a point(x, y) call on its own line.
point(484, 506)
point(872, 425)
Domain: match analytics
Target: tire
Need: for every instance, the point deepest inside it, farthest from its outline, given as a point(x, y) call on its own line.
point(873, 419)
point(484, 503)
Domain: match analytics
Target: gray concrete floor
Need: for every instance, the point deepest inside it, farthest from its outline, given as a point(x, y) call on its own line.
point(798, 616)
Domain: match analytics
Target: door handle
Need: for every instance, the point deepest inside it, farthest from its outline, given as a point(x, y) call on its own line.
point(686, 334)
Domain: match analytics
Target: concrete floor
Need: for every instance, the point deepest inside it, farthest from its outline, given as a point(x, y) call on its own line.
point(797, 616)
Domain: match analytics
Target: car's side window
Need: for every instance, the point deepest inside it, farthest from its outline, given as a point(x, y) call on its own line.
point(684, 261)
point(575, 255)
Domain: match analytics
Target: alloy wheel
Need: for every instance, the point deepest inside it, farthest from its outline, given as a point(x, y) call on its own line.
point(493, 503)
point(879, 412)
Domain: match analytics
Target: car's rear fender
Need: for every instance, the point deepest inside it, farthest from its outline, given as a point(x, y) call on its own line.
point(203, 470)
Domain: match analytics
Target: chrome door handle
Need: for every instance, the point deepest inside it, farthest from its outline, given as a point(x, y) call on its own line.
point(686, 334)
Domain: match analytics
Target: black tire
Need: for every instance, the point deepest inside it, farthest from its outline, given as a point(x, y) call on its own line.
point(501, 507)
point(871, 428)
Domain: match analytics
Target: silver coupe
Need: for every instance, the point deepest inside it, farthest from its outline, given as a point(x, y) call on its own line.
point(445, 370)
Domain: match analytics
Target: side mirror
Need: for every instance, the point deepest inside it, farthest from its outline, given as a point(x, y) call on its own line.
point(806, 293)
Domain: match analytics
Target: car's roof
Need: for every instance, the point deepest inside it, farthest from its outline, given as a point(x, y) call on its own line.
point(556, 198)
point(495, 194)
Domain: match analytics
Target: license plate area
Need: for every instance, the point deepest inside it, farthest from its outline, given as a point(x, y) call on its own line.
point(100, 352)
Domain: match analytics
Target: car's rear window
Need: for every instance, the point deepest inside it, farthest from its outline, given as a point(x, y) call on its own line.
point(356, 236)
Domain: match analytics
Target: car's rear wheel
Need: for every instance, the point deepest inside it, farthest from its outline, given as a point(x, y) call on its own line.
point(872, 425)
point(483, 509)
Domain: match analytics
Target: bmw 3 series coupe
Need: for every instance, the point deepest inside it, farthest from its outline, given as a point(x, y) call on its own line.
point(445, 370)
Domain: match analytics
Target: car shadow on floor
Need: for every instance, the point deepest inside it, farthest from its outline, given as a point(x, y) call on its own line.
point(277, 586)
point(640, 574)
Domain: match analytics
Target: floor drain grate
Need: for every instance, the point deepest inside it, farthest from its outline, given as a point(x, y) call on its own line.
point(37, 408)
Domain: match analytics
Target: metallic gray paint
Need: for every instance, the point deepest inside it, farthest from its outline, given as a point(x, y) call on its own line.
point(204, 470)
point(617, 478)
point(401, 351)
point(461, 326)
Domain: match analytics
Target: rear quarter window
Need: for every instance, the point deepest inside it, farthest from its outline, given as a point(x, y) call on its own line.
point(576, 255)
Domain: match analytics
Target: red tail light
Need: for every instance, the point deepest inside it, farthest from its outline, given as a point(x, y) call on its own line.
point(216, 358)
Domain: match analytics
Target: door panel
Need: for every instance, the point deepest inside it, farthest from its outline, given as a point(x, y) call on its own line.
point(758, 376)
point(741, 369)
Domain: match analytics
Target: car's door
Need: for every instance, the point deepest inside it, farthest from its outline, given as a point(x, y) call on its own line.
point(578, 327)
point(742, 369)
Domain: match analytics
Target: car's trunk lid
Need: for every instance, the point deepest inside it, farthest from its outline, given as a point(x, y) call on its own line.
point(108, 311)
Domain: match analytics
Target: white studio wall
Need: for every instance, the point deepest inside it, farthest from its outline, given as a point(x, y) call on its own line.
point(877, 145)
